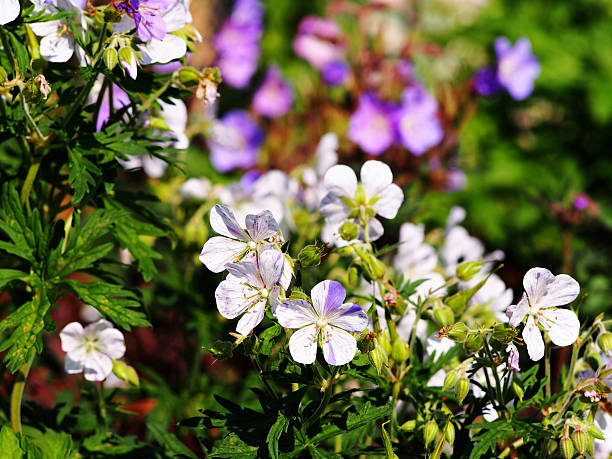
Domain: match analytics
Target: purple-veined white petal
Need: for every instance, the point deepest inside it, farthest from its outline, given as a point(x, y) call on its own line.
point(287, 274)
point(562, 291)
point(130, 67)
point(9, 11)
point(57, 47)
point(327, 296)
point(536, 282)
point(251, 318)
point(262, 226)
point(273, 300)
point(125, 25)
point(513, 357)
point(562, 325)
point(97, 366)
point(175, 17)
point(376, 176)
point(71, 336)
point(533, 340)
point(112, 343)
point(295, 314)
point(339, 346)
point(303, 345)
point(233, 298)
point(334, 209)
point(518, 312)
point(271, 263)
point(341, 180)
point(247, 272)
point(390, 201)
point(219, 251)
point(349, 317)
point(72, 366)
point(223, 222)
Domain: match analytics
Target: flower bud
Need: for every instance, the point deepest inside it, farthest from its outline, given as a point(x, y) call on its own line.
point(443, 315)
point(399, 351)
point(408, 426)
point(461, 388)
point(449, 380)
point(373, 268)
point(566, 446)
point(42, 85)
point(473, 343)
point(604, 341)
point(310, 256)
point(348, 231)
point(518, 390)
point(111, 58)
point(125, 372)
point(384, 340)
point(581, 440)
point(366, 342)
point(378, 357)
point(429, 434)
point(458, 332)
point(189, 75)
point(353, 277)
point(449, 434)
point(468, 269)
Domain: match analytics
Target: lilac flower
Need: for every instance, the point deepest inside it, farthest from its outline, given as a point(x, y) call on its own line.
point(371, 126)
point(92, 348)
point(486, 82)
point(120, 100)
point(275, 96)
point(336, 73)
point(581, 202)
point(513, 357)
point(249, 288)
point(417, 123)
point(316, 41)
point(237, 43)
point(234, 142)
point(544, 291)
point(147, 18)
point(9, 11)
point(517, 67)
point(327, 320)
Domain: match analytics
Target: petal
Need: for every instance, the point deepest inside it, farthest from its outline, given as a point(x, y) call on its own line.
point(97, 366)
point(112, 343)
point(222, 220)
point(536, 282)
point(518, 312)
point(271, 264)
point(327, 296)
point(231, 298)
point(375, 229)
point(533, 340)
point(72, 336)
point(251, 318)
point(96, 327)
point(562, 325)
point(349, 317)
point(247, 272)
point(375, 177)
point(219, 251)
point(9, 11)
point(163, 51)
point(57, 48)
point(303, 345)
point(562, 291)
point(287, 274)
point(262, 226)
point(341, 180)
point(72, 366)
point(391, 199)
point(339, 347)
point(295, 314)
point(333, 208)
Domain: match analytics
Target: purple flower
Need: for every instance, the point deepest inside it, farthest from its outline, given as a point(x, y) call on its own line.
point(455, 179)
point(237, 43)
point(517, 67)
point(371, 126)
point(336, 73)
point(486, 82)
point(417, 123)
point(275, 96)
point(316, 41)
point(234, 141)
point(581, 202)
point(120, 100)
point(147, 15)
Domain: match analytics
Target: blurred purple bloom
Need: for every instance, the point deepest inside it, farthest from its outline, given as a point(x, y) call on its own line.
point(315, 41)
point(120, 100)
point(234, 141)
point(335, 73)
point(237, 43)
point(455, 179)
point(417, 123)
point(406, 70)
point(517, 67)
point(371, 126)
point(275, 96)
point(486, 82)
point(581, 202)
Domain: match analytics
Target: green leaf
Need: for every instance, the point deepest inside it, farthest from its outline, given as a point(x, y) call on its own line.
point(8, 275)
point(10, 443)
point(81, 170)
point(355, 420)
point(52, 444)
point(111, 300)
point(488, 440)
point(171, 445)
point(14, 223)
point(232, 446)
point(275, 433)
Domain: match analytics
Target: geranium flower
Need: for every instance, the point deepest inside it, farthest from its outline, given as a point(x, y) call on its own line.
point(275, 95)
point(249, 288)
point(415, 258)
point(544, 291)
point(9, 11)
point(234, 141)
point(327, 320)
point(371, 126)
point(92, 348)
point(326, 156)
point(375, 195)
point(513, 357)
point(517, 67)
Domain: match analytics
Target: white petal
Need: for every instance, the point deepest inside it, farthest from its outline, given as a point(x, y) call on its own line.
point(247, 272)
point(57, 48)
point(375, 229)
point(489, 413)
point(125, 25)
point(163, 51)
point(223, 221)
point(220, 251)
point(375, 177)
point(287, 275)
point(262, 226)
point(438, 347)
point(231, 298)
point(562, 291)
point(334, 209)
point(327, 296)
point(536, 282)
point(533, 340)
point(112, 343)
point(295, 314)
point(562, 325)
point(97, 366)
point(71, 336)
point(175, 17)
point(349, 317)
point(339, 347)
point(303, 345)
point(390, 201)
point(519, 311)
point(251, 318)
point(341, 180)
point(93, 330)
point(9, 11)
point(72, 366)
point(271, 263)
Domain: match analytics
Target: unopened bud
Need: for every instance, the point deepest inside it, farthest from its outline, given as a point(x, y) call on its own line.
point(468, 269)
point(353, 277)
point(310, 256)
point(518, 390)
point(604, 341)
point(458, 332)
point(581, 440)
point(443, 315)
point(449, 380)
point(473, 343)
point(42, 85)
point(399, 351)
point(373, 268)
point(449, 434)
point(378, 357)
point(384, 339)
point(348, 231)
point(566, 446)
point(189, 75)
point(111, 58)
point(430, 432)
point(125, 372)
point(461, 388)
point(366, 342)
point(408, 426)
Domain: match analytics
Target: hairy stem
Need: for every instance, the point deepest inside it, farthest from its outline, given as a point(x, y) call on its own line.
point(17, 394)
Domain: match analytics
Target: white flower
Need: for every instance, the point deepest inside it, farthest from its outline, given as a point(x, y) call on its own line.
point(197, 188)
point(249, 288)
point(325, 157)
point(458, 247)
point(328, 320)
point(92, 348)
point(603, 448)
point(544, 291)
point(493, 294)
point(9, 11)
point(348, 199)
point(414, 257)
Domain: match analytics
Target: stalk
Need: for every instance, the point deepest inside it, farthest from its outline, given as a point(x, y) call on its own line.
point(17, 394)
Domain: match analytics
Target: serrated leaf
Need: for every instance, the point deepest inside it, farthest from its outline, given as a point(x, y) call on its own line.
point(82, 172)
point(355, 420)
point(489, 439)
point(8, 275)
point(232, 446)
point(52, 444)
point(10, 443)
point(15, 225)
point(277, 429)
point(171, 445)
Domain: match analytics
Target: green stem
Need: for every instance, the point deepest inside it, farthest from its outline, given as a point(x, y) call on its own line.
point(324, 401)
point(572, 367)
point(547, 370)
point(102, 403)
point(29, 180)
point(153, 97)
point(498, 386)
point(17, 394)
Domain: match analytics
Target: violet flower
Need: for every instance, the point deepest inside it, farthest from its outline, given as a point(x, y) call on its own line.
point(147, 16)
point(317, 41)
point(120, 100)
point(371, 126)
point(275, 95)
point(336, 73)
point(517, 67)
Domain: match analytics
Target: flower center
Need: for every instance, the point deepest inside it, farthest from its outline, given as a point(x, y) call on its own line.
point(264, 293)
point(252, 245)
point(320, 323)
